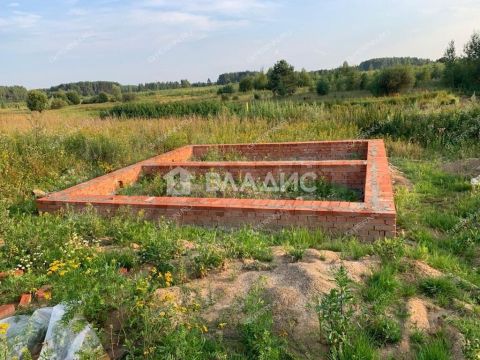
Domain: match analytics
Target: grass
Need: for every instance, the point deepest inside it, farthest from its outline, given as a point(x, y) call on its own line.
point(437, 218)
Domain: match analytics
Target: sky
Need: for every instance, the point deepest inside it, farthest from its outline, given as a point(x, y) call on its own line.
point(48, 42)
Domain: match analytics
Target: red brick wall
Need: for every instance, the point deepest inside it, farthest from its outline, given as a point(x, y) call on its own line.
point(372, 219)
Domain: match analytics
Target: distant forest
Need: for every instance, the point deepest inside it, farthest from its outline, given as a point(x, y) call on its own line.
point(382, 63)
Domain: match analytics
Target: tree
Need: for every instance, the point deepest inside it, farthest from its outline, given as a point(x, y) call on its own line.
point(102, 97)
point(472, 48)
point(323, 87)
point(281, 79)
point(246, 84)
point(260, 81)
point(116, 92)
point(450, 53)
point(185, 83)
point(304, 79)
point(393, 80)
point(73, 97)
point(37, 100)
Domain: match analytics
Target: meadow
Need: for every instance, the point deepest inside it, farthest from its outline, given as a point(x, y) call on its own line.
point(433, 141)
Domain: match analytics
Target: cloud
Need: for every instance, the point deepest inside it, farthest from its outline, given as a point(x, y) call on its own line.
point(14, 4)
point(19, 20)
point(233, 8)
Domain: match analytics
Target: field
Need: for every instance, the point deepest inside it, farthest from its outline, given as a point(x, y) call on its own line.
point(156, 290)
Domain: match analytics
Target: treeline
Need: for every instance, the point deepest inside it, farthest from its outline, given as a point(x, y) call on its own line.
point(12, 94)
point(463, 71)
point(234, 77)
point(86, 88)
point(164, 85)
point(382, 63)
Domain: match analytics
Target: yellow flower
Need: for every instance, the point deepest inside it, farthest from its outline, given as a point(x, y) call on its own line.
point(222, 325)
point(162, 313)
point(4, 328)
point(204, 329)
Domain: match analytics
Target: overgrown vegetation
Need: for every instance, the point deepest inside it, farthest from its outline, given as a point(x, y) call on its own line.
point(79, 255)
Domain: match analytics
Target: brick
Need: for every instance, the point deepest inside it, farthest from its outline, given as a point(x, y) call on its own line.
point(25, 300)
point(7, 311)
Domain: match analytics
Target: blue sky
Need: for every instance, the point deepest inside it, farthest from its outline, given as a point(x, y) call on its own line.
point(44, 43)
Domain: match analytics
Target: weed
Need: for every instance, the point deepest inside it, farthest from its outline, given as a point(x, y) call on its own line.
point(257, 328)
point(335, 313)
point(383, 330)
point(437, 348)
point(443, 289)
point(381, 286)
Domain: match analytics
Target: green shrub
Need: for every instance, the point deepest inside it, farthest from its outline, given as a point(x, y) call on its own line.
point(102, 98)
point(73, 97)
point(127, 97)
point(323, 87)
point(246, 84)
point(37, 100)
point(227, 89)
point(393, 80)
point(58, 104)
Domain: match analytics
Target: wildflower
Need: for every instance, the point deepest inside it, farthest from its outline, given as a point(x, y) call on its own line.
point(204, 329)
point(222, 325)
point(4, 328)
point(168, 279)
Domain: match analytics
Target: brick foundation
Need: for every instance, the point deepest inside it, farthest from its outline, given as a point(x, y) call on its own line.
point(360, 164)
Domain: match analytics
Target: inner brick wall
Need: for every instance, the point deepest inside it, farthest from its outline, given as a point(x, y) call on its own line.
point(349, 174)
point(291, 151)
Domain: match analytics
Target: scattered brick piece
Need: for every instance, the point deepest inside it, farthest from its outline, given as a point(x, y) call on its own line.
point(7, 311)
point(25, 300)
point(44, 293)
point(135, 246)
point(123, 271)
point(18, 272)
point(3, 275)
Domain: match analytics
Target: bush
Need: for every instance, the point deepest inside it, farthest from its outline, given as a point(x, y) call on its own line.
point(102, 98)
point(58, 104)
point(73, 97)
point(323, 87)
point(127, 97)
point(227, 89)
point(246, 84)
point(393, 80)
point(37, 100)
